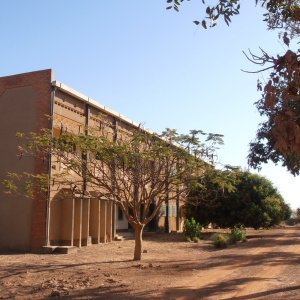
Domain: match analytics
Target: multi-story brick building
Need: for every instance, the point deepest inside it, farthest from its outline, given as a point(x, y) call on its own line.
point(26, 101)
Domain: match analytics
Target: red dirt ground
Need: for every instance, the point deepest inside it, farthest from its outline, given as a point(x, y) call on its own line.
point(267, 266)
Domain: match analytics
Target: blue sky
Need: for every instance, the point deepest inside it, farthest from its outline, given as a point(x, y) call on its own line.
point(152, 65)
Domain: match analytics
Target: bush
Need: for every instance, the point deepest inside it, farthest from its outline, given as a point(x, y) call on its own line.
point(220, 240)
point(196, 239)
point(238, 234)
point(291, 221)
point(192, 230)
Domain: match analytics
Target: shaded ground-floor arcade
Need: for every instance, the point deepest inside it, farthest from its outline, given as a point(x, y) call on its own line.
point(79, 221)
point(170, 218)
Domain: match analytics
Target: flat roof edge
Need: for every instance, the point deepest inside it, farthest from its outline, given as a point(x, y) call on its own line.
point(29, 73)
point(95, 104)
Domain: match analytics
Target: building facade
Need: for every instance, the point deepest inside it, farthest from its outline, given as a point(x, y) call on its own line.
point(26, 102)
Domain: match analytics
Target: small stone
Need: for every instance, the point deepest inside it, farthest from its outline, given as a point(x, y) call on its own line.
point(150, 265)
point(145, 251)
point(111, 280)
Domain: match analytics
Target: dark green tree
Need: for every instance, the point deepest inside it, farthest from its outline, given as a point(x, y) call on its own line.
point(204, 198)
point(234, 197)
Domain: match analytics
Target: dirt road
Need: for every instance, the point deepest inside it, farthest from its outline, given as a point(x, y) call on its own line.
point(265, 267)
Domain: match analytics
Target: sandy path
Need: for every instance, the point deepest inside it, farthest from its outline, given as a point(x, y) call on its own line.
point(268, 270)
point(265, 267)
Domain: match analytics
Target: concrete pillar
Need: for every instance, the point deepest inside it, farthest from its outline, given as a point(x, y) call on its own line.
point(85, 222)
point(48, 216)
point(67, 221)
point(55, 221)
point(114, 220)
point(109, 221)
point(177, 213)
point(95, 220)
point(103, 221)
point(78, 222)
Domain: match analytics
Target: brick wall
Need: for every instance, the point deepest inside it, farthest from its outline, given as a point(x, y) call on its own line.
point(40, 83)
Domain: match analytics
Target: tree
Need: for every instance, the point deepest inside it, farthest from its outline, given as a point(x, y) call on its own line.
point(233, 197)
point(298, 213)
point(207, 192)
point(278, 138)
point(135, 172)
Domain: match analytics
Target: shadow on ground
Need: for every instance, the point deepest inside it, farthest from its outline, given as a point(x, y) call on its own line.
point(215, 291)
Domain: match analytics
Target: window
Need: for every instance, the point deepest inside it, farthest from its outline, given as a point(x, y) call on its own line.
point(163, 210)
point(120, 214)
point(174, 211)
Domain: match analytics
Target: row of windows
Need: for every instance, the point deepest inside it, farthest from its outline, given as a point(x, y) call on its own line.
point(172, 210)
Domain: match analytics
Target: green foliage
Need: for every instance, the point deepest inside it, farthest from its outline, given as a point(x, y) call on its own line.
point(298, 214)
point(273, 208)
point(292, 221)
point(212, 185)
point(220, 240)
point(9, 184)
point(192, 230)
point(196, 239)
point(168, 159)
point(294, 217)
point(26, 184)
point(133, 172)
point(287, 211)
point(238, 234)
point(278, 13)
point(222, 10)
point(231, 197)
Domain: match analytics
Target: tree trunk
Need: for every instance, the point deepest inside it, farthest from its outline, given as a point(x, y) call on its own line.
point(138, 232)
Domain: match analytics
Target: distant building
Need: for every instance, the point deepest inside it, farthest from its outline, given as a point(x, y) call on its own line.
point(29, 224)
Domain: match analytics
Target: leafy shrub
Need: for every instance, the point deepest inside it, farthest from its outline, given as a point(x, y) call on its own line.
point(291, 221)
point(220, 240)
point(238, 234)
point(192, 230)
point(196, 239)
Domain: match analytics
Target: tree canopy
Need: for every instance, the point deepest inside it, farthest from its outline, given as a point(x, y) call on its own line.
point(136, 172)
point(233, 197)
point(277, 138)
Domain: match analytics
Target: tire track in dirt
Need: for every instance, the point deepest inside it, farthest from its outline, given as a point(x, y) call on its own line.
point(254, 274)
point(269, 274)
